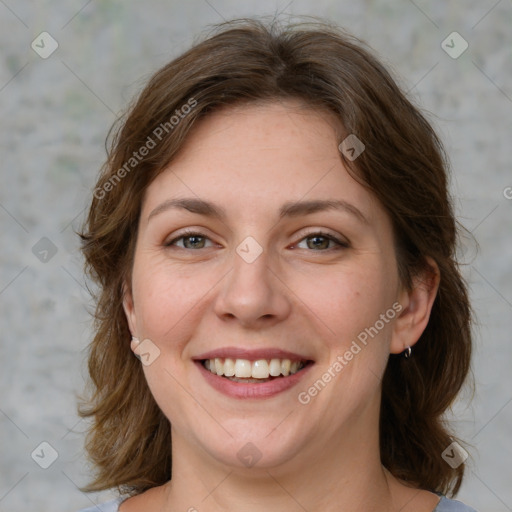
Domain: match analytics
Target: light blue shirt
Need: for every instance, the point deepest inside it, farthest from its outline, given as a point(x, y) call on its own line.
point(445, 505)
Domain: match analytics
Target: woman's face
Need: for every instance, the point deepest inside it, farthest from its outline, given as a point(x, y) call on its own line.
point(253, 268)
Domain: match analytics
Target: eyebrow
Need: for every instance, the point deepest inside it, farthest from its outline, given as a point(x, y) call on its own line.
point(288, 209)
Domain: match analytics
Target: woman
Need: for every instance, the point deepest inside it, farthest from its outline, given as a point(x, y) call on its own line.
point(274, 241)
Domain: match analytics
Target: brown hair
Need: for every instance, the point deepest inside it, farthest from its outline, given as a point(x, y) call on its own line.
point(405, 167)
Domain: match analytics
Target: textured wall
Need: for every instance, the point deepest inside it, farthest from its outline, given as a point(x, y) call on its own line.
point(55, 115)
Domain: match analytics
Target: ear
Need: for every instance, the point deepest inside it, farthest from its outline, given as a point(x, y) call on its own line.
point(129, 309)
point(417, 305)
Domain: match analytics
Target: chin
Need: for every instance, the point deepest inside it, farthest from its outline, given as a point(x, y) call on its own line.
point(259, 444)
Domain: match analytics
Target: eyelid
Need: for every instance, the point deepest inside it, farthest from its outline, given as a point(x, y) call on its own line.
point(342, 242)
point(188, 232)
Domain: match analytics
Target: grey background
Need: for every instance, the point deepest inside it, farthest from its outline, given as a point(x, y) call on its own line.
point(55, 116)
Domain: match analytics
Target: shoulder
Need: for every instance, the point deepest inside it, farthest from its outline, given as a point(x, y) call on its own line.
point(150, 499)
point(109, 506)
point(447, 505)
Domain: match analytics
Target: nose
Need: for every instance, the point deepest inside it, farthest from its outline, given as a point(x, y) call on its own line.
point(253, 294)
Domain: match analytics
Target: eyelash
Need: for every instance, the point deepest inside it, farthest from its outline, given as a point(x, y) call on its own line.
point(341, 243)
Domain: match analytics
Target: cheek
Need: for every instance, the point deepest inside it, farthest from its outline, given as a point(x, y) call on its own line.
point(350, 299)
point(168, 301)
point(358, 311)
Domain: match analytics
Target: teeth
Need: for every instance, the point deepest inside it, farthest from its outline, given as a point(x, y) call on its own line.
point(285, 367)
point(229, 367)
point(245, 369)
point(274, 368)
point(260, 369)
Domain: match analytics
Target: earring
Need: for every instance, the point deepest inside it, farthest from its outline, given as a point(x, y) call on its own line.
point(407, 352)
point(133, 345)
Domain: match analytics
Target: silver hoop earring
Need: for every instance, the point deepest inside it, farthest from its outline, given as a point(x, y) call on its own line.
point(407, 352)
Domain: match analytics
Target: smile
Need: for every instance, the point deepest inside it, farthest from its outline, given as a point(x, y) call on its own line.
point(252, 374)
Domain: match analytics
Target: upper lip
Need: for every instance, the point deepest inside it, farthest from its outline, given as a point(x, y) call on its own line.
point(251, 354)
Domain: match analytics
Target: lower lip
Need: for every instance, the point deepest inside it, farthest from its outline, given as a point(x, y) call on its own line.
point(252, 390)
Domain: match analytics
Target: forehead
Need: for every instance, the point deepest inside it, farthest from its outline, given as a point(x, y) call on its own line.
point(255, 157)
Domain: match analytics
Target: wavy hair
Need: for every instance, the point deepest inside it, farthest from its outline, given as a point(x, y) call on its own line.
point(405, 167)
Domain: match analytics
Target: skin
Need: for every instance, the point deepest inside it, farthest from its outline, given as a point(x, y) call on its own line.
point(295, 296)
